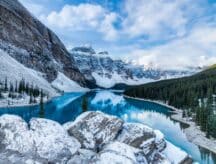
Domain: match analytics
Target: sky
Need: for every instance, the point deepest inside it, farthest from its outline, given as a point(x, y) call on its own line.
point(168, 34)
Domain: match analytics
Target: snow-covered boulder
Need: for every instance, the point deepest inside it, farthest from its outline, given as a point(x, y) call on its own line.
point(119, 153)
point(103, 138)
point(94, 129)
point(42, 139)
point(14, 134)
point(52, 140)
point(138, 136)
point(83, 156)
point(143, 137)
point(135, 134)
point(159, 140)
point(14, 157)
point(175, 154)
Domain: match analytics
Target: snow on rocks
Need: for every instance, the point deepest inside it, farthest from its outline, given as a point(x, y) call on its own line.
point(135, 134)
point(15, 134)
point(52, 141)
point(43, 138)
point(174, 154)
point(83, 156)
point(95, 129)
point(117, 152)
point(143, 137)
point(94, 137)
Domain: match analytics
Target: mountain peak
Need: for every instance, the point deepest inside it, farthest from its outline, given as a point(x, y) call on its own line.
point(104, 53)
point(84, 49)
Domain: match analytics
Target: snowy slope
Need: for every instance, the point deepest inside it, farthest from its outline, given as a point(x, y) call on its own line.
point(63, 83)
point(15, 71)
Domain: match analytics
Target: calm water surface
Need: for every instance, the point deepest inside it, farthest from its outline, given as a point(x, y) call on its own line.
point(68, 107)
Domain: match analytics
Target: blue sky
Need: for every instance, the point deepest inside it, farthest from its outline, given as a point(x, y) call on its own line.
point(166, 33)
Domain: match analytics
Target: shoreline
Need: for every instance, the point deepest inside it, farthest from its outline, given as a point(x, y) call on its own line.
point(30, 105)
point(193, 133)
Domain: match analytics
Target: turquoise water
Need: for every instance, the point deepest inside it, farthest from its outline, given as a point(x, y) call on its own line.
point(68, 107)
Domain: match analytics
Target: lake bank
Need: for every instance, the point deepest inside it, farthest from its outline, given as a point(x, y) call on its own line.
point(193, 133)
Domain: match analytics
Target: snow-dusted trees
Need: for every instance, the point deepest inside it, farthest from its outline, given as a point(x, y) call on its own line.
point(19, 89)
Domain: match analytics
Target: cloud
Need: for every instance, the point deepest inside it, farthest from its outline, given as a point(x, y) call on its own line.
point(196, 49)
point(84, 17)
point(158, 19)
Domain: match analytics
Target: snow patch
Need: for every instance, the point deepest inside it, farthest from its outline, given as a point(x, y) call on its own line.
point(65, 84)
point(173, 153)
point(15, 71)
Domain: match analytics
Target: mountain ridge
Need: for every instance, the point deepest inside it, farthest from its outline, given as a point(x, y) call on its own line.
point(102, 70)
point(31, 43)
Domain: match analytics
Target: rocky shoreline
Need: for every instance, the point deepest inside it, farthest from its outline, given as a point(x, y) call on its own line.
point(94, 137)
point(193, 133)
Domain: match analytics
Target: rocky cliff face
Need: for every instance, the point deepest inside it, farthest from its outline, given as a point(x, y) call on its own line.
point(31, 43)
point(93, 137)
point(101, 69)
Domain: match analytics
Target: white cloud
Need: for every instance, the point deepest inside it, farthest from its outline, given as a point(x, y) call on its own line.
point(77, 17)
point(197, 49)
point(158, 18)
point(84, 17)
point(107, 28)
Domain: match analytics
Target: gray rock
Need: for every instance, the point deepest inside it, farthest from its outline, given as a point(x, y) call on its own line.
point(119, 153)
point(83, 156)
point(135, 134)
point(105, 139)
point(14, 157)
point(142, 137)
point(43, 139)
point(52, 140)
point(15, 135)
point(94, 129)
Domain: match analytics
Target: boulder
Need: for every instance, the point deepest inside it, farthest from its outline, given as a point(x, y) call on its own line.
point(42, 139)
point(15, 135)
point(14, 157)
point(159, 140)
point(94, 129)
point(83, 156)
point(52, 140)
point(138, 136)
point(135, 134)
point(119, 153)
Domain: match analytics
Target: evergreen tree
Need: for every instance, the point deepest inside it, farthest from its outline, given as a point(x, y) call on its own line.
point(41, 112)
point(11, 87)
point(6, 85)
point(84, 104)
point(31, 99)
point(16, 87)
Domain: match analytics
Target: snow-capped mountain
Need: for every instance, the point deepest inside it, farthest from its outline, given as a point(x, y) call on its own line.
point(29, 50)
point(101, 69)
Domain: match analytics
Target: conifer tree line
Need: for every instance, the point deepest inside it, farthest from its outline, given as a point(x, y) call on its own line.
point(20, 88)
point(185, 93)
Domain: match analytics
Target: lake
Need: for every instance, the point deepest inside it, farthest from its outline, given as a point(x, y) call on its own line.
point(67, 107)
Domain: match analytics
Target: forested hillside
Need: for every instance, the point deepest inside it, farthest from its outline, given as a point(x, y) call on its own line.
point(192, 94)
